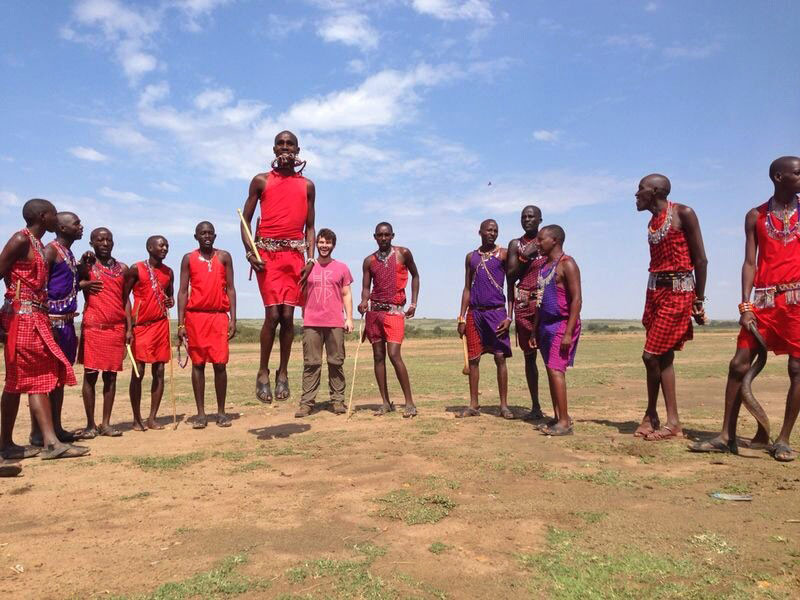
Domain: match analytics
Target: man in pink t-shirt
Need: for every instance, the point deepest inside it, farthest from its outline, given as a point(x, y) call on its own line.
point(327, 315)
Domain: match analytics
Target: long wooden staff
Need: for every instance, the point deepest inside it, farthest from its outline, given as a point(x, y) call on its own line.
point(249, 235)
point(355, 365)
point(172, 377)
point(128, 346)
point(465, 370)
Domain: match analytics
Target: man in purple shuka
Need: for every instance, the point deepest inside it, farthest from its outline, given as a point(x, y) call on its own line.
point(62, 294)
point(484, 318)
point(558, 322)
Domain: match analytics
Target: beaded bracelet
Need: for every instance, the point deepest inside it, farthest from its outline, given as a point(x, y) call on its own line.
point(746, 307)
point(461, 319)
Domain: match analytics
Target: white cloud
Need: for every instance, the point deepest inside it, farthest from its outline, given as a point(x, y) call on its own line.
point(549, 24)
point(165, 186)
point(280, 27)
point(126, 197)
point(195, 10)
point(352, 29)
point(384, 99)
point(630, 40)
point(213, 98)
point(651, 7)
point(6, 158)
point(357, 66)
point(691, 52)
point(128, 31)
point(547, 135)
point(9, 199)
point(451, 10)
point(85, 153)
point(129, 138)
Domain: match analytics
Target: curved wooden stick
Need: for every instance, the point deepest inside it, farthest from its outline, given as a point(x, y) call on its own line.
point(355, 365)
point(250, 239)
point(750, 402)
point(465, 370)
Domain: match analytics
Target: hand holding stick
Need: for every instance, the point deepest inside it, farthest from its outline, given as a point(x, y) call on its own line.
point(250, 240)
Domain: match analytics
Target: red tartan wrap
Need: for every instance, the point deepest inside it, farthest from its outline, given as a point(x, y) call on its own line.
point(207, 336)
point(34, 362)
point(667, 320)
point(779, 325)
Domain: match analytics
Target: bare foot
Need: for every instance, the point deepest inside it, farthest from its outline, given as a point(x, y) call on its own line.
point(665, 433)
point(139, 426)
point(647, 427)
point(152, 424)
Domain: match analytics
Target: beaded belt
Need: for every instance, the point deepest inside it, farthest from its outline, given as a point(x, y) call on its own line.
point(765, 297)
point(384, 307)
point(677, 281)
point(273, 245)
point(523, 297)
point(26, 307)
point(61, 321)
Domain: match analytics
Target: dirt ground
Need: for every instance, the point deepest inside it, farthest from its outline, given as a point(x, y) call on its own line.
point(434, 507)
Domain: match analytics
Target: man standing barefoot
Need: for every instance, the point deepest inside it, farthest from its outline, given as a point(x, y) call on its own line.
point(383, 296)
point(675, 294)
point(285, 232)
point(205, 297)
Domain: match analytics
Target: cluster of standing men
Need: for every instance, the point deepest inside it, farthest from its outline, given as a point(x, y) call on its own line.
point(532, 282)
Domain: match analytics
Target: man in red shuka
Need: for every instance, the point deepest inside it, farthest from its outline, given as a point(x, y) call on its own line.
point(151, 282)
point(205, 297)
point(771, 269)
point(284, 236)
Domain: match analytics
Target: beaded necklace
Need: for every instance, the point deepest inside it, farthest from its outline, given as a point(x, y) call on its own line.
point(36, 244)
point(384, 259)
point(157, 291)
point(206, 260)
point(485, 256)
point(522, 246)
point(787, 231)
point(543, 282)
point(68, 258)
point(113, 271)
point(656, 236)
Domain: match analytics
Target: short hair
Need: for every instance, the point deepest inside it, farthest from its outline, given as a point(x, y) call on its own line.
point(384, 224)
point(96, 231)
point(33, 208)
point(153, 238)
point(554, 231)
point(279, 134)
point(65, 214)
point(327, 234)
point(661, 182)
point(779, 164)
point(201, 223)
point(536, 210)
point(486, 222)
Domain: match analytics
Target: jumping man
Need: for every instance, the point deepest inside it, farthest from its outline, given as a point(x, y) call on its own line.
point(674, 296)
point(285, 232)
point(383, 296)
point(483, 317)
point(203, 322)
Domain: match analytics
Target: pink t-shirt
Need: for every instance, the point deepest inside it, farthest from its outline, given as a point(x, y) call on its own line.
point(324, 305)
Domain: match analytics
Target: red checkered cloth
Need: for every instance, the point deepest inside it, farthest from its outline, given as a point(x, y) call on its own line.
point(667, 319)
point(671, 253)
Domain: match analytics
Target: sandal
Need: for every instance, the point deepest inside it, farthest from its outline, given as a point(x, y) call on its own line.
point(714, 446)
point(384, 410)
point(19, 452)
point(546, 424)
point(10, 470)
point(223, 420)
point(282, 388)
point(200, 422)
point(469, 412)
point(664, 433)
point(109, 431)
point(557, 430)
point(87, 434)
point(410, 411)
point(63, 451)
point(782, 452)
point(263, 390)
point(506, 413)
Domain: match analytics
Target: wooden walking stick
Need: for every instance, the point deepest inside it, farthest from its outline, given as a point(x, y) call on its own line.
point(355, 365)
point(249, 235)
point(172, 378)
point(465, 370)
point(130, 351)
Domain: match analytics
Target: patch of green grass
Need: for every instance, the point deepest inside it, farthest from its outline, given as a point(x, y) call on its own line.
point(137, 496)
point(183, 530)
point(232, 455)
point(609, 477)
point(736, 488)
point(218, 582)
point(402, 505)
point(168, 463)
point(254, 465)
point(591, 517)
point(437, 482)
point(438, 548)
point(712, 542)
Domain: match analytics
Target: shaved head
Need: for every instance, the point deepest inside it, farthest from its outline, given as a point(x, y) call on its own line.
point(98, 230)
point(202, 224)
point(486, 222)
point(153, 239)
point(659, 182)
point(65, 218)
point(286, 132)
point(782, 165)
point(554, 231)
point(536, 210)
point(384, 224)
point(35, 207)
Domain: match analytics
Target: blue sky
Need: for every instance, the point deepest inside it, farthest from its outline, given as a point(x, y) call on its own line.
point(150, 116)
